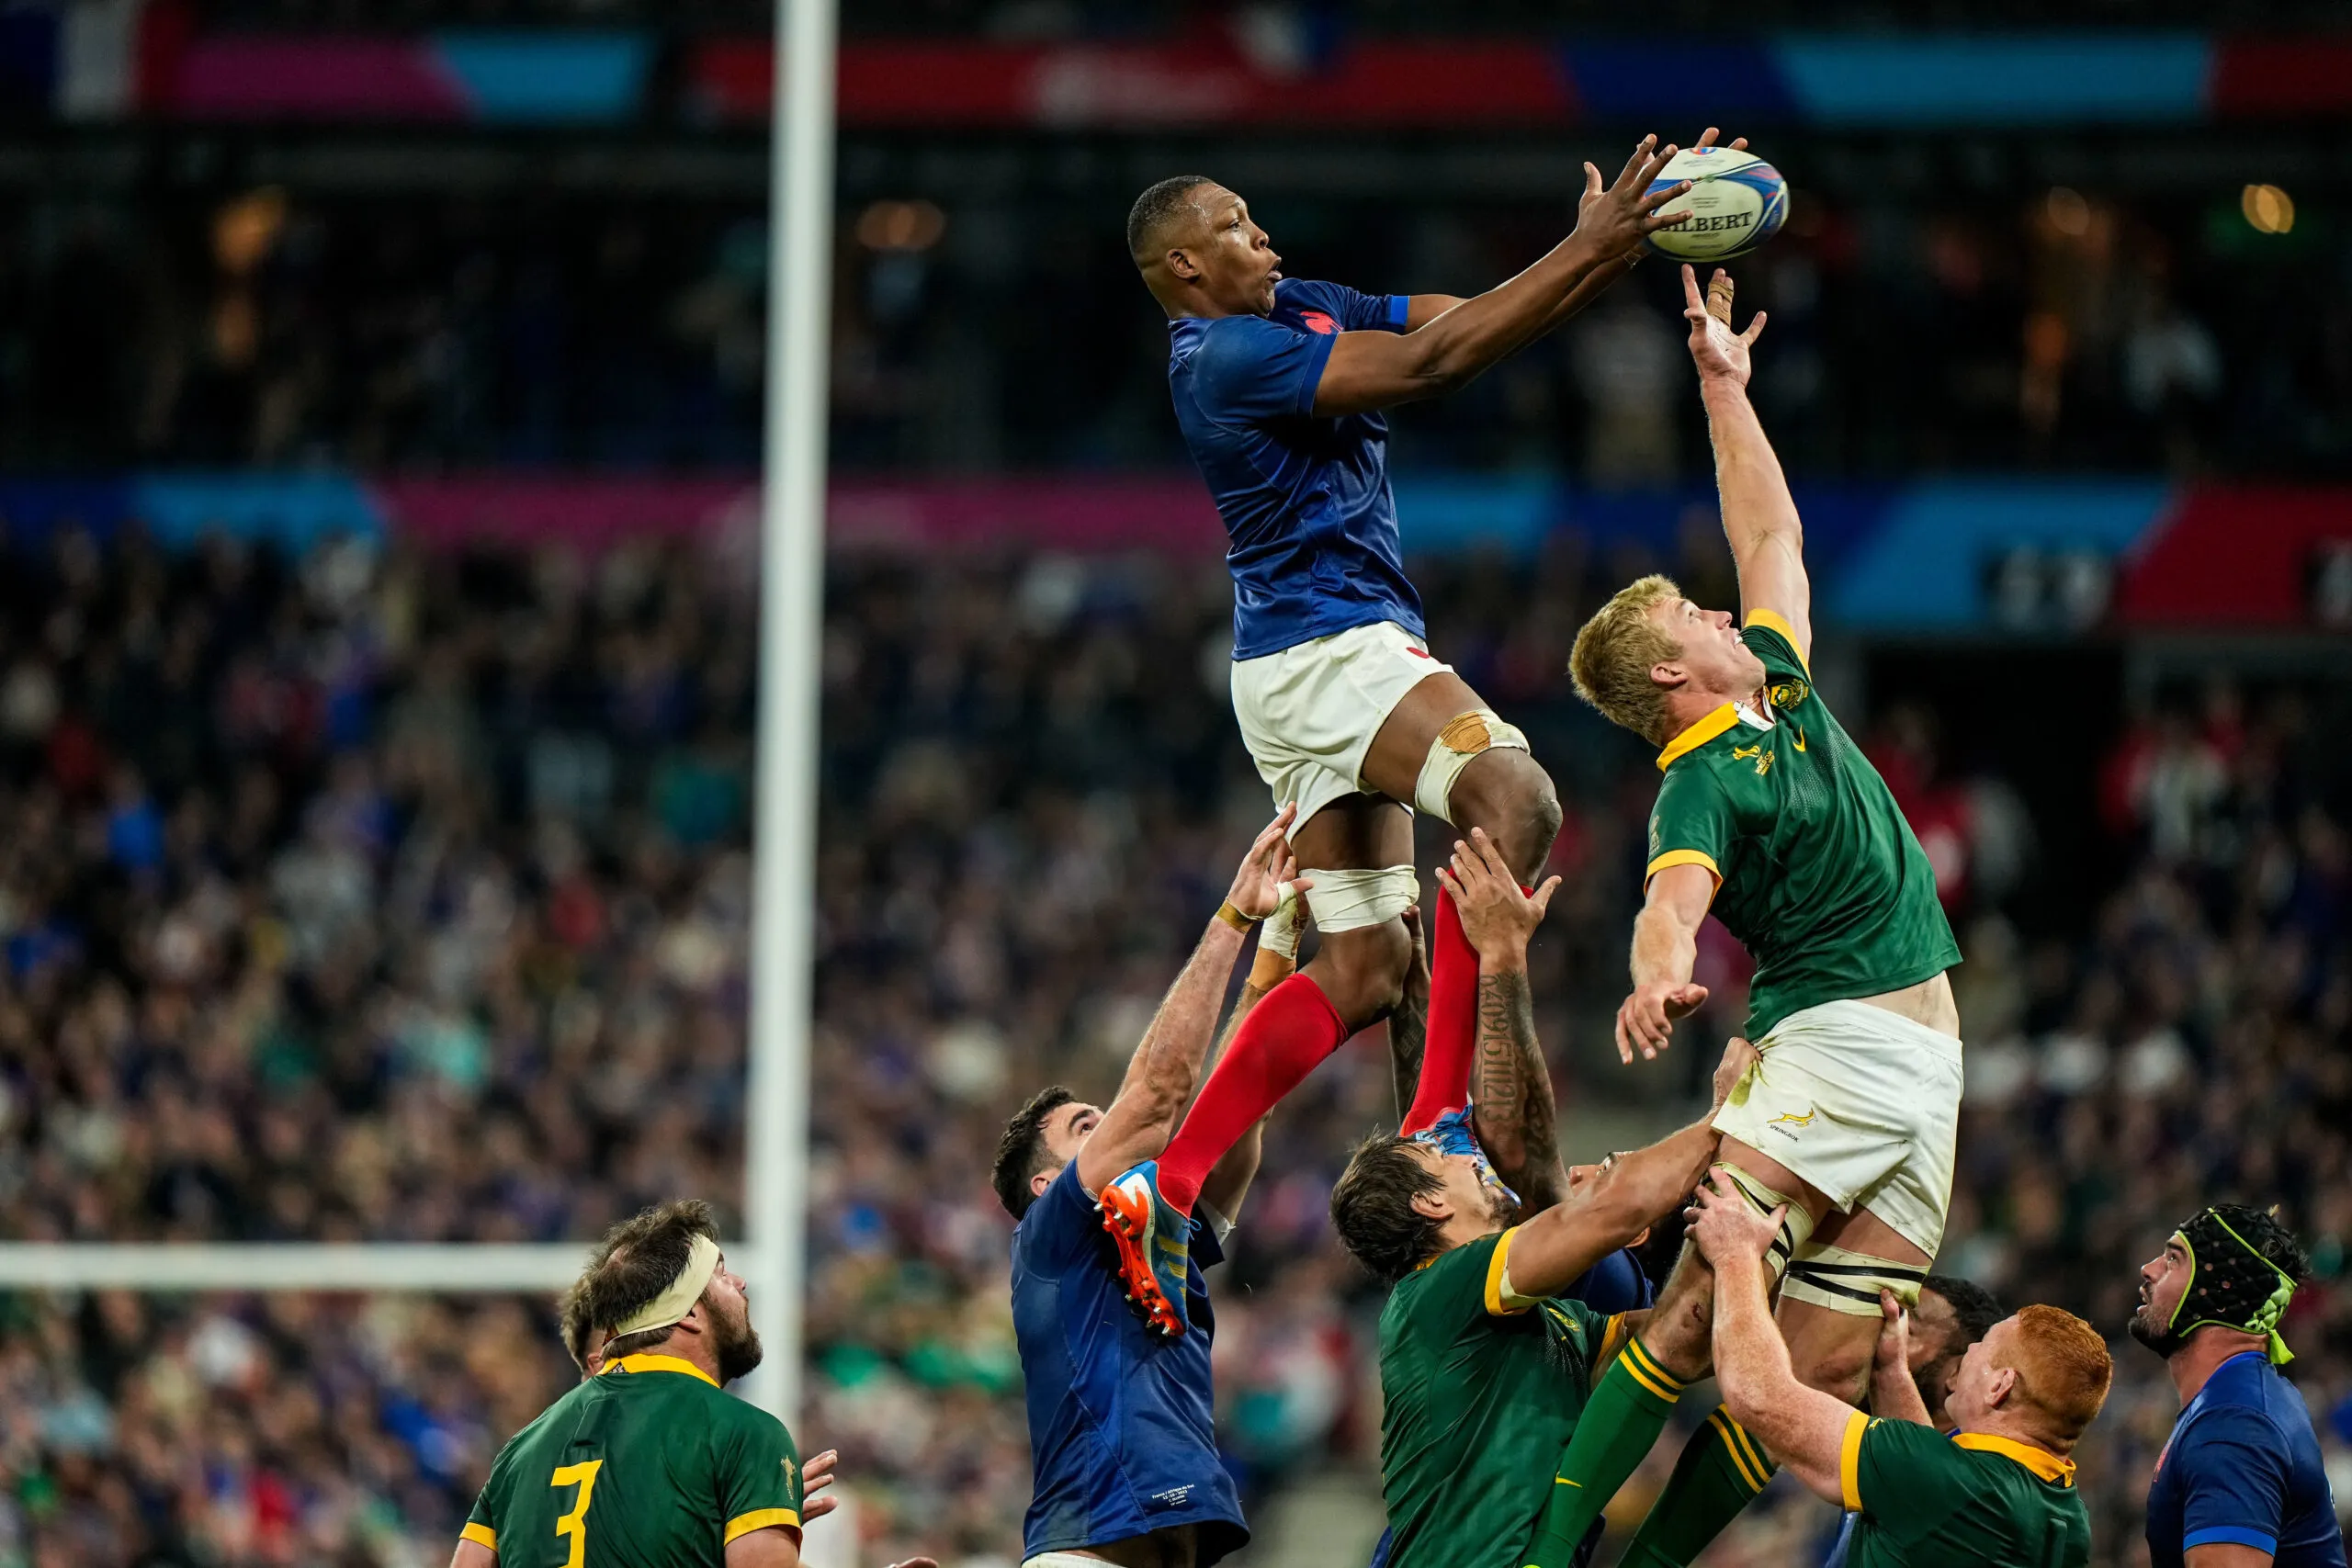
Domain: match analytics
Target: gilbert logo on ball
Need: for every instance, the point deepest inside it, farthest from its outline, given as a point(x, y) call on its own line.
point(1736, 201)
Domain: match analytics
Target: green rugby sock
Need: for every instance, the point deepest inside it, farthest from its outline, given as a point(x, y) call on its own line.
point(1722, 1467)
point(1619, 1425)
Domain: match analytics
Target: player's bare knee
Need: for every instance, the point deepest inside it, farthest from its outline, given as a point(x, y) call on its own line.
point(1508, 793)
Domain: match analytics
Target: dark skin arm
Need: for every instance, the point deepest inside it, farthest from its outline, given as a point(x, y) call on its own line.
point(1423, 308)
point(1370, 370)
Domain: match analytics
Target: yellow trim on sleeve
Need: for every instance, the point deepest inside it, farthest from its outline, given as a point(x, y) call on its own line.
point(1698, 735)
point(479, 1534)
point(1777, 622)
point(1497, 1267)
point(2041, 1462)
point(1722, 1422)
point(1849, 1462)
point(760, 1519)
point(1651, 1370)
point(648, 1362)
point(1684, 857)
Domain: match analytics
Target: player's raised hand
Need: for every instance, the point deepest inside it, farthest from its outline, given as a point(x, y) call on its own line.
point(1720, 353)
point(1616, 217)
point(1267, 869)
point(1707, 139)
point(1726, 1228)
point(1893, 1336)
point(1496, 915)
point(816, 1474)
point(1646, 1020)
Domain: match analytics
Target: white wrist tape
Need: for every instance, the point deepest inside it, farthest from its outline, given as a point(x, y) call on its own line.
point(1280, 932)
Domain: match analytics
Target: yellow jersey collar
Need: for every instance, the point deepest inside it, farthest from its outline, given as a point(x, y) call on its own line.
point(649, 1363)
point(1698, 735)
point(2041, 1462)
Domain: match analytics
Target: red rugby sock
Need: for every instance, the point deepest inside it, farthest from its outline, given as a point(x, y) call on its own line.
point(1453, 1021)
point(1290, 1031)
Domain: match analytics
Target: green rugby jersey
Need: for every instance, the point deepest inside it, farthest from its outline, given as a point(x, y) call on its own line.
point(1970, 1501)
point(1480, 1394)
point(1815, 869)
point(649, 1465)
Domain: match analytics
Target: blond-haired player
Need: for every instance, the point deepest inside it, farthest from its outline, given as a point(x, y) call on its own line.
point(1769, 814)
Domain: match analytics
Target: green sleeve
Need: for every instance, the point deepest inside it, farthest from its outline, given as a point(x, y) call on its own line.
point(1764, 636)
point(1902, 1474)
point(759, 1472)
point(1691, 823)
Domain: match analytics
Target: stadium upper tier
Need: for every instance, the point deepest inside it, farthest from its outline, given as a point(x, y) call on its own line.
point(1265, 66)
point(260, 305)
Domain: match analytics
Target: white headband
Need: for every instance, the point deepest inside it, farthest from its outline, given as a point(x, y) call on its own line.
point(674, 1303)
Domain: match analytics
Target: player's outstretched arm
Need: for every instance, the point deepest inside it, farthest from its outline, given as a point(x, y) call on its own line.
point(473, 1554)
point(1760, 515)
point(1164, 1068)
point(1370, 370)
point(1666, 947)
point(1632, 1192)
point(1511, 1093)
point(1803, 1427)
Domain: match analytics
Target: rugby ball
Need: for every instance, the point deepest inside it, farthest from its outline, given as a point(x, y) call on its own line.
point(1736, 201)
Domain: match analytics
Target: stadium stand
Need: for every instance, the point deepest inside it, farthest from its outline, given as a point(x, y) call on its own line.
point(401, 896)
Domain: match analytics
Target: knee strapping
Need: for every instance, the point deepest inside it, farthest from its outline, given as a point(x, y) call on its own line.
point(1350, 901)
point(1465, 736)
point(1796, 1223)
point(1847, 1281)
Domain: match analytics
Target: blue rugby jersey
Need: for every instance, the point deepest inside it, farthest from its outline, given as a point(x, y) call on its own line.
point(1305, 502)
point(2242, 1466)
point(1121, 1439)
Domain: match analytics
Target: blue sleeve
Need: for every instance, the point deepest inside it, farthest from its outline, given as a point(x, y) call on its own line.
point(1249, 371)
point(1355, 313)
point(1208, 1251)
point(2232, 1470)
point(1059, 1228)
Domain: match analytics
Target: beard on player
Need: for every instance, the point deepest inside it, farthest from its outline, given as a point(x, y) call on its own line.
point(734, 1343)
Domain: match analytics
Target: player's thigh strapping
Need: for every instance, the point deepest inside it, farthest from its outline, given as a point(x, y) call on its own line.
point(1309, 714)
point(1864, 1105)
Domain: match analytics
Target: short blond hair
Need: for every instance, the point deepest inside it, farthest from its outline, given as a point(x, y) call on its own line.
point(2062, 1369)
point(1611, 662)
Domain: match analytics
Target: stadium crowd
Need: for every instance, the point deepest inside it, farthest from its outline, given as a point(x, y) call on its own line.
point(367, 894)
point(2042, 328)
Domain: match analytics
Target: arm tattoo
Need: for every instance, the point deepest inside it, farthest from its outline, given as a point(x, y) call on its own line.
point(1516, 1117)
point(1409, 1030)
point(1503, 1013)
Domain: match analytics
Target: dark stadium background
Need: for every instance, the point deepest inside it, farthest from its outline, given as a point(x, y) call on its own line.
point(379, 405)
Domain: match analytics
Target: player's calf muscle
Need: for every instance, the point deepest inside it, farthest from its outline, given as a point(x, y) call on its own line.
point(1508, 794)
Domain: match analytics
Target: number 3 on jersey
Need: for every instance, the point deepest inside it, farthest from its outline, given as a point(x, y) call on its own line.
point(575, 1523)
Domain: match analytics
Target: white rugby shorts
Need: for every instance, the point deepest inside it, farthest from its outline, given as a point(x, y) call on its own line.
point(1309, 714)
point(1862, 1103)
